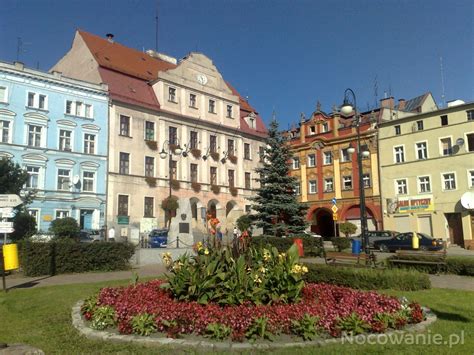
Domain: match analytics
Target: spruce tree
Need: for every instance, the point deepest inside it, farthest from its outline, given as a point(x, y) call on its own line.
point(278, 211)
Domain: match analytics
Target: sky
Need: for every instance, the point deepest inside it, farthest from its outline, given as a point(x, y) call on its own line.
point(283, 55)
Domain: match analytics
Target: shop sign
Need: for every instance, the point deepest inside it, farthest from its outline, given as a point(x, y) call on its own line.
point(418, 203)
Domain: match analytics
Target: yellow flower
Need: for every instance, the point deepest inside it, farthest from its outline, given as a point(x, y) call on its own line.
point(206, 251)
point(296, 269)
point(262, 269)
point(304, 269)
point(257, 279)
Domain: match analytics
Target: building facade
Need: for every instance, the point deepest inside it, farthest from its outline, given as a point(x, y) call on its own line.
point(426, 166)
point(159, 104)
point(56, 129)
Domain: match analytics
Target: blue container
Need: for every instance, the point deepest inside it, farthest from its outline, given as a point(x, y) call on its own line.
point(356, 246)
point(158, 238)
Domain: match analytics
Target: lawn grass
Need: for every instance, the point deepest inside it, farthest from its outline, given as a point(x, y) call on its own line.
point(41, 317)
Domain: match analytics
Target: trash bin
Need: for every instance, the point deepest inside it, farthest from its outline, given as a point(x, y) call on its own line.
point(299, 244)
point(356, 246)
point(415, 241)
point(158, 238)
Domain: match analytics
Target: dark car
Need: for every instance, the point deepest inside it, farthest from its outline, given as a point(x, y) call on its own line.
point(377, 235)
point(403, 241)
point(158, 238)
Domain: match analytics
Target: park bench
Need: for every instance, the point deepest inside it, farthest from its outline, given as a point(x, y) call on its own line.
point(346, 259)
point(421, 257)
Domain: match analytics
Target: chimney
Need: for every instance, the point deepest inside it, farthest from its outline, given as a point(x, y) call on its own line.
point(19, 65)
point(387, 102)
point(401, 104)
point(302, 128)
point(335, 129)
point(110, 37)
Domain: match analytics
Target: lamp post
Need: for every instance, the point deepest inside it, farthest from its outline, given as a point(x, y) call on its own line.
point(169, 153)
point(347, 108)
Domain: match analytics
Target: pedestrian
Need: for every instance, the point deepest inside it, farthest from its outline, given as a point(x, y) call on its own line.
point(111, 234)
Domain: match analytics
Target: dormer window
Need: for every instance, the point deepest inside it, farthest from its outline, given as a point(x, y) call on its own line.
point(172, 94)
point(250, 119)
point(312, 130)
point(325, 127)
point(229, 111)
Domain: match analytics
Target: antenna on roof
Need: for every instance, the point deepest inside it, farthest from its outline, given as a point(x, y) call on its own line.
point(156, 27)
point(376, 91)
point(442, 81)
point(19, 48)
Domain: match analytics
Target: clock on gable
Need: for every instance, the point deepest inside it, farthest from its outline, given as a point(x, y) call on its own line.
point(202, 79)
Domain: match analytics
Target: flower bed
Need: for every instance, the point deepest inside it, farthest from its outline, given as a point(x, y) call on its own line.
point(324, 310)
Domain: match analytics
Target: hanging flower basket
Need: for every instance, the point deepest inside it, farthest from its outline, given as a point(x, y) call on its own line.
point(216, 189)
point(170, 204)
point(153, 145)
point(175, 184)
point(196, 186)
point(214, 155)
point(151, 181)
point(233, 191)
point(196, 153)
point(233, 159)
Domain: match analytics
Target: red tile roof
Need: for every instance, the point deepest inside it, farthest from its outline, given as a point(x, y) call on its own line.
point(128, 89)
point(123, 59)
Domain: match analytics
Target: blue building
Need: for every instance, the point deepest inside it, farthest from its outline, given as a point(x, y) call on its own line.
point(56, 128)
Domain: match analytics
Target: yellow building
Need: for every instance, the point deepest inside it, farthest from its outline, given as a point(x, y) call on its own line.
point(427, 173)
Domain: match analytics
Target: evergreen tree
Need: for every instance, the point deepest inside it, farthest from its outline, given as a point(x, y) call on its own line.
point(278, 211)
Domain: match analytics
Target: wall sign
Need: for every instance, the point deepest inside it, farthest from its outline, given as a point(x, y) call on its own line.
point(418, 203)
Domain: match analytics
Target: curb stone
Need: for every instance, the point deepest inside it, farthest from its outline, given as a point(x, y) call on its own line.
point(80, 325)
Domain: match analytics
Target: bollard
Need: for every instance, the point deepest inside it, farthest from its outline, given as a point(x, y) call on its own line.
point(177, 241)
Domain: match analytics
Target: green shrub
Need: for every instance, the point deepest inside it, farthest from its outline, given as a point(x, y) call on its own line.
point(458, 265)
point(367, 279)
point(103, 317)
point(347, 228)
point(306, 327)
point(259, 329)
point(65, 228)
point(67, 256)
point(218, 331)
point(143, 324)
point(341, 243)
point(353, 324)
point(311, 246)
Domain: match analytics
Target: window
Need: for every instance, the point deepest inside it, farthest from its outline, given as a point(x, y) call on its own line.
point(149, 131)
point(212, 106)
point(192, 100)
point(230, 175)
point(470, 115)
point(449, 181)
point(399, 154)
point(444, 120)
point(194, 172)
point(149, 166)
point(424, 184)
point(328, 185)
point(366, 180)
point(174, 170)
point(38, 101)
point(296, 163)
point(124, 126)
point(470, 178)
point(325, 127)
point(78, 108)
point(172, 94)
point(229, 111)
point(124, 163)
point(88, 181)
point(311, 160)
point(261, 154)
point(213, 175)
point(402, 187)
point(247, 151)
point(122, 205)
point(34, 135)
point(248, 208)
point(312, 187)
point(65, 140)
point(4, 131)
point(64, 179)
point(33, 177)
point(193, 140)
point(69, 107)
point(3, 94)
point(347, 182)
point(298, 189)
point(327, 157)
point(421, 151)
point(148, 209)
point(398, 130)
point(312, 130)
point(345, 155)
point(230, 147)
point(213, 144)
point(61, 214)
point(470, 142)
point(248, 184)
point(89, 143)
point(173, 135)
point(88, 110)
point(419, 125)
point(446, 146)
point(35, 214)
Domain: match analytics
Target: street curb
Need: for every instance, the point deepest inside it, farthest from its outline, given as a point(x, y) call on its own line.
point(79, 323)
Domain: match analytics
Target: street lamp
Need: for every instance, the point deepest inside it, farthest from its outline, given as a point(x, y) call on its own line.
point(169, 153)
point(347, 108)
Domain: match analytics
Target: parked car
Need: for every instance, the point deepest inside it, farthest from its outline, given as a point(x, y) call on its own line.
point(88, 236)
point(158, 238)
point(377, 235)
point(311, 234)
point(403, 241)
